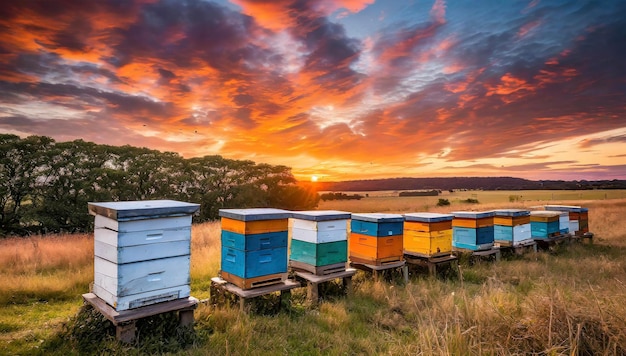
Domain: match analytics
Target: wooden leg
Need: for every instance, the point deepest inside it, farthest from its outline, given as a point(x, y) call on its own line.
point(185, 317)
point(498, 256)
point(125, 332)
point(432, 269)
point(405, 273)
point(312, 293)
point(285, 298)
point(347, 285)
point(242, 304)
point(375, 273)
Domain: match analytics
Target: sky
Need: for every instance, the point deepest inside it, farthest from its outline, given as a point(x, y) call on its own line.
point(336, 89)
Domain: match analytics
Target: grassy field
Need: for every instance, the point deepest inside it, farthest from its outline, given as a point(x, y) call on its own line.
point(569, 301)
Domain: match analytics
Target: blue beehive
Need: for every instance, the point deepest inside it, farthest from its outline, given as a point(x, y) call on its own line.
point(379, 225)
point(473, 230)
point(253, 259)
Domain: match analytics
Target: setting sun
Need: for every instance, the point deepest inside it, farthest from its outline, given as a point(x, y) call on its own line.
point(314, 178)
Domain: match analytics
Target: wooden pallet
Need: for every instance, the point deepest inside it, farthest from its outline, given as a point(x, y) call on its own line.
point(431, 262)
point(378, 269)
point(256, 282)
point(317, 270)
point(376, 262)
point(124, 321)
point(220, 286)
point(313, 282)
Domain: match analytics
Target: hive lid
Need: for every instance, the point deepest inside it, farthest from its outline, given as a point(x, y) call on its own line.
point(141, 209)
point(568, 208)
point(511, 212)
point(428, 217)
point(545, 213)
point(473, 214)
point(378, 217)
point(255, 214)
point(320, 215)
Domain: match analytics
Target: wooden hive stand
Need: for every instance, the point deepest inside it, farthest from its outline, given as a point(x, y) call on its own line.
point(220, 286)
point(377, 269)
point(518, 249)
point(552, 242)
point(124, 321)
point(313, 281)
point(492, 254)
point(432, 261)
point(584, 237)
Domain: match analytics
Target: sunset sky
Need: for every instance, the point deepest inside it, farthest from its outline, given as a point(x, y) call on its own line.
point(339, 89)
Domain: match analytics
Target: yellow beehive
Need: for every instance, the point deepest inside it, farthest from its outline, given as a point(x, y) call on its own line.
point(428, 243)
point(427, 234)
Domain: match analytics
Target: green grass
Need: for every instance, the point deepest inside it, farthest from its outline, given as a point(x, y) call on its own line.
point(568, 301)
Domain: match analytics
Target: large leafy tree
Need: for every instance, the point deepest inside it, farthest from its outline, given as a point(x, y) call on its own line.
point(45, 186)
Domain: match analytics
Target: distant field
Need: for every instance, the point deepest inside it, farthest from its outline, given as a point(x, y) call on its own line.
point(389, 201)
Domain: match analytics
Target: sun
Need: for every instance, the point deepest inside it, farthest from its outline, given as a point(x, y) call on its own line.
point(314, 178)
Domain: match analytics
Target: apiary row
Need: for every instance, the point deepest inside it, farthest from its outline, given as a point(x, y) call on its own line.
point(142, 248)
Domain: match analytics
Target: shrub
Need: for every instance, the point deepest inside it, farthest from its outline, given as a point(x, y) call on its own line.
point(443, 202)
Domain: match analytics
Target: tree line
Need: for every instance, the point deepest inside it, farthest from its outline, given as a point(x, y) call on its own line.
point(45, 185)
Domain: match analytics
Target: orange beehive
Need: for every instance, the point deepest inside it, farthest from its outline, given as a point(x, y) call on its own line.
point(511, 220)
point(375, 250)
point(473, 223)
point(375, 238)
point(428, 226)
point(254, 227)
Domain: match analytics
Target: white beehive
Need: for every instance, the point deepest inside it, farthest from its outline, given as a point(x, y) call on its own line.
point(141, 251)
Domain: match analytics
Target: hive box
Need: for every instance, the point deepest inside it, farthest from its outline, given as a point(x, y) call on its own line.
point(141, 251)
point(512, 227)
point(254, 246)
point(428, 234)
point(376, 238)
point(319, 237)
point(472, 230)
point(578, 217)
point(544, 224)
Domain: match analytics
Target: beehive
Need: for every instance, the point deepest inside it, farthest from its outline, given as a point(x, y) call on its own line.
point(376, 238)
point(320, 237)
point(428, 234)
point(544, 224)
point(511, 227)
point(473, 230)
point(141, 251)
point(578, 217)
point(254, 246)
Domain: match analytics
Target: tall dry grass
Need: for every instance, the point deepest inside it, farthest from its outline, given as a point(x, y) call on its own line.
point(570, 301)
point(44, 267)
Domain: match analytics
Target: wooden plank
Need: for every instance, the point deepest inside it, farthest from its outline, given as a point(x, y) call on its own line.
point(256, 292)
point(249, 283)
point(119, 317)
point(318, 270)
point(381, 262)
point(348, 272)
point(374, 267)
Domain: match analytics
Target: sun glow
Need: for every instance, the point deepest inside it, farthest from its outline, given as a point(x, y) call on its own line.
point(314, 178)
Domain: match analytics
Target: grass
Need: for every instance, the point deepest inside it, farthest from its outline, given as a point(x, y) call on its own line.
point(570, 301)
